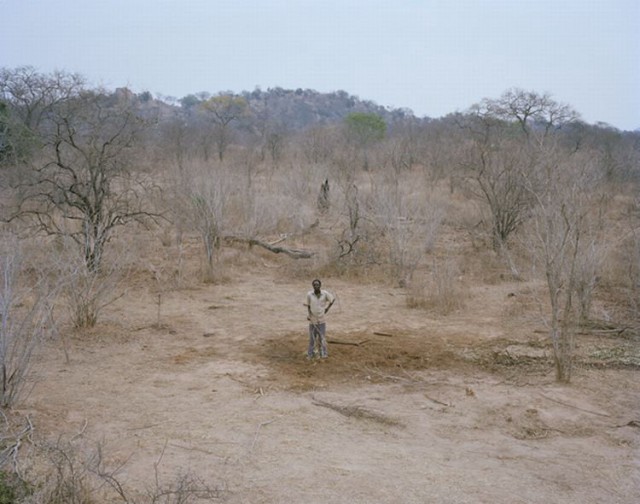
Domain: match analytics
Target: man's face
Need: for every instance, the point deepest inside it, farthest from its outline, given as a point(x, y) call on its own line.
point(316, 286)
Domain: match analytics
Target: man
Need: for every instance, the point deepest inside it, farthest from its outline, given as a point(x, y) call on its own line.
point(318, 303)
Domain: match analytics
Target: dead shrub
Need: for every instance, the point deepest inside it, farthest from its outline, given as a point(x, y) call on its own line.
point(440, 291)
point(88, 292)
point(25, 318)
point(619, 283)
point(72, 472)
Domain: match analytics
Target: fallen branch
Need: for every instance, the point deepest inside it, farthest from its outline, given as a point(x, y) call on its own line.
point(291, 252)
point(341, 342)
point(358, 412)
point(438, 402)
point(377, 333)
point(576, 407)
point(632, 423)
point(149, 426)
point(386, 376)
point(617, 331)
point(195, 448)
point(11, 451)
point(79, 434)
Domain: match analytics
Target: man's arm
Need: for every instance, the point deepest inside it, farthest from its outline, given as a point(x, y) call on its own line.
point(308, 305)
point(332, 300)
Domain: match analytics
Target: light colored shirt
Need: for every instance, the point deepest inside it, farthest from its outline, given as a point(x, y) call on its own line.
point(318, 304)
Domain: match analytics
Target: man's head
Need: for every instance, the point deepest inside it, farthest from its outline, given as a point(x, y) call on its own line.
point(316, 284)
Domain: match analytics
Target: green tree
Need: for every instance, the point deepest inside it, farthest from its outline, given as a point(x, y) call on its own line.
point(365, 129)
point(222, 110)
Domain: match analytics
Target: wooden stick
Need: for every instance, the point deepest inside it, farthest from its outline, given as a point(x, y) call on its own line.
point(576, 407)
point(438, 402)
point(79, 434)
point(194, 448)
point(341, 342)
point(378, 333)
point(149, 426)
point(605, 331)
point(255, 438)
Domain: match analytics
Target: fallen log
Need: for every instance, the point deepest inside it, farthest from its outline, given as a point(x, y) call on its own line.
point(291, 252)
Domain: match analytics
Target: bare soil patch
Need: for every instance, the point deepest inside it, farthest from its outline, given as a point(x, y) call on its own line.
point(409, 407)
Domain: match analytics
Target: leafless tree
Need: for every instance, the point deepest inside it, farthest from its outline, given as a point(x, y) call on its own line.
point(565, 232)
point(26, 99)
point(85, 185)
point(617, 151)
point(404, 144)
point(438, 143)
point(495, 166)
point(32, 95)
point(348, 241)
point(207, 200)
point(538, 116)
point(175, 140)
point(410, 222)
point(274, 143)
point(317, 144)
point(624, 283)
point(507, 141)
point(270, 134)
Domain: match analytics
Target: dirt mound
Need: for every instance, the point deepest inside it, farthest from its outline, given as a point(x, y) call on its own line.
point(371, 357)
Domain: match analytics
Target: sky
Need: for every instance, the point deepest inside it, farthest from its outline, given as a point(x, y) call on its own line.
point(434, 57)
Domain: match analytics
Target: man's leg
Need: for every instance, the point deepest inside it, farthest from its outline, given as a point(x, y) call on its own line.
point(322, 329)
point(312, 341)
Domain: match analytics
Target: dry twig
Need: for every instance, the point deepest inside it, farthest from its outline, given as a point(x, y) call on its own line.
point(351, 343)
point(12, 450)
point(260, 426)
point(575, 407)
point(448, 405)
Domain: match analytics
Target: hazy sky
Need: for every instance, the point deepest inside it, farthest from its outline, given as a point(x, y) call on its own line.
point(432, 56)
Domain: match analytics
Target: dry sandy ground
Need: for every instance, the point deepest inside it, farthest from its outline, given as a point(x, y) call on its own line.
point(456, 409)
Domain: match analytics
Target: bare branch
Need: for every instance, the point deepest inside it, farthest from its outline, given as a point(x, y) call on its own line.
point(291, 252)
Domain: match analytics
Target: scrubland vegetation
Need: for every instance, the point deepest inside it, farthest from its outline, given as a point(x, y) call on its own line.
point(516, 188)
